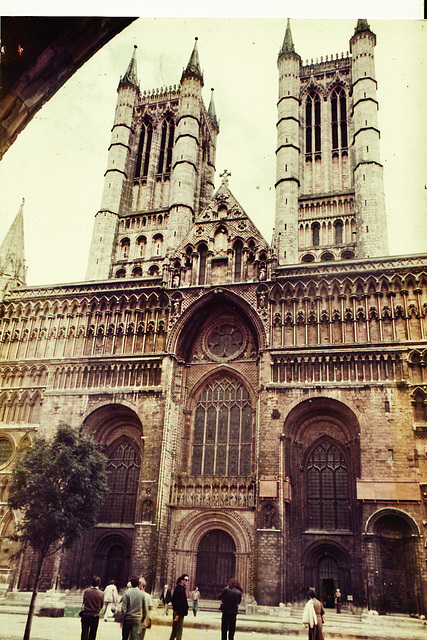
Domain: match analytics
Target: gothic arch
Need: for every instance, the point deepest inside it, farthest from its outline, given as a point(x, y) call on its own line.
point(109, 421)
point(181, 336)
point(343, 421)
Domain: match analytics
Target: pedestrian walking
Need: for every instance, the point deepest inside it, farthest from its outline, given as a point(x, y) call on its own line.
point(134, 610)
point(111, 599)
point(166, 598)
point(180, 606)
point(230, 598)
point(145, 622)
point(195, 595)
point(312, 616)
point(93, 601)
point(338, 600)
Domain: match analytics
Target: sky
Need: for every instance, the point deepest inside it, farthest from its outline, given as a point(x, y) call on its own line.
point(58, 162)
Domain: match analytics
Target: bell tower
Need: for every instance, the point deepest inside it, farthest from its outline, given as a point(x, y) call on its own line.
point(329, 179)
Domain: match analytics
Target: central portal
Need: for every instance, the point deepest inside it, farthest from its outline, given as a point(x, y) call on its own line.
point(216, 563)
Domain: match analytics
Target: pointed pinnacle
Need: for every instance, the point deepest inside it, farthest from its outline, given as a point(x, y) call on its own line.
point(288, 44)
point(212, 112)
point(130, 76)
point(193, 66)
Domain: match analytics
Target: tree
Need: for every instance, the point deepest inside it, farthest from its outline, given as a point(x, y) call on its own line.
point(58, 485)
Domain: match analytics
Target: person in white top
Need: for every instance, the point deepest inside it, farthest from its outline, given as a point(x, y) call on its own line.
point(111, 598)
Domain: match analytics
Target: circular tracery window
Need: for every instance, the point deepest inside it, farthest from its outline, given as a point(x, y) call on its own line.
point(225, 340)
point(6, 450)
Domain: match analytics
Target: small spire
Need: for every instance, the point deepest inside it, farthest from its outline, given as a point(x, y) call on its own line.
point(288, 43)
point(130, 76)
point(193, 66)
point(212, 112)
point(12, 257)
point(362, 25)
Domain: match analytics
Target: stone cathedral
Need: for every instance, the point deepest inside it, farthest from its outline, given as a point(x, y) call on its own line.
point(263, 407)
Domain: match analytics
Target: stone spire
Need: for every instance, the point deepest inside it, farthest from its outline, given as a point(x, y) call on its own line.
point(12, 258)
point(193, 66)
point(362, 25)
point(130, 76)
point(212, 112)
point(288, 44)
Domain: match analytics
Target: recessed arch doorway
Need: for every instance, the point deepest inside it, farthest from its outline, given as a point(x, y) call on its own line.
point(111, 560)
point(216, 563)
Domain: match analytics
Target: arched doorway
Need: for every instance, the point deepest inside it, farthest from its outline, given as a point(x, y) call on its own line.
point(395, 584)
point(327, 569)
point(111, 561)
point(216, 563)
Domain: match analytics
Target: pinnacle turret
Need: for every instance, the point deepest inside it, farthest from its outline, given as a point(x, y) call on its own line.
point(130, 76)
point(288, 44)
point(193, 66)
point(362, 25)
point(212, 112)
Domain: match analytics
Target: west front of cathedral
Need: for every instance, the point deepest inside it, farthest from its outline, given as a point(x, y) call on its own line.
point(263, 407)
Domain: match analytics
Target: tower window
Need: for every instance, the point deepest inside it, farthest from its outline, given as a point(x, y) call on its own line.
point(339, 119)
point(125, 244)
point(338, 232)
point(313, 123)
point(315, 228)
point(144, 150)
point(166, 145)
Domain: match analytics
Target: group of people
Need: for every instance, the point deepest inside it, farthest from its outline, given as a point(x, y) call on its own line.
point(136, 604)
point(134, 612)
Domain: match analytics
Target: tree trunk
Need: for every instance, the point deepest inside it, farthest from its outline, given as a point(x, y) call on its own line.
point(41, 557)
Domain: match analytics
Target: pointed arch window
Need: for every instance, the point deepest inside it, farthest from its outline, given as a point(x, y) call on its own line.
point(222, 444)
point(327, 489)
point(123, 472)
point(313, 131)
point(339, 119)
point(166, 146)
point(144, 150)
point(203, 252)
point(238, 252)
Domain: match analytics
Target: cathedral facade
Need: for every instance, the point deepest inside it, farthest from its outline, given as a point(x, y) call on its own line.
point(263, 407)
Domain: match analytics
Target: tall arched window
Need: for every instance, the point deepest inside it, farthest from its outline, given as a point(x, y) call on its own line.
point(144, 150)
point(312, 123)
point(141, 244)
point(238, 250)
point(315, 228)
point(339, 119)
point(157, 244)
point(125, 244)
point(327, 489)
point(338, 232)
point(222, 444)
point(166, 145)
point(123, 471)
point(203, 251)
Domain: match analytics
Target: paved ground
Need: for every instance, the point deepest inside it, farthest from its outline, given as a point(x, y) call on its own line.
point(207, 627)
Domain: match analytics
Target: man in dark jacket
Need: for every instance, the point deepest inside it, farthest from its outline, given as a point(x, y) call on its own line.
point(93, 601)
point(231, 597)
point(180, 606)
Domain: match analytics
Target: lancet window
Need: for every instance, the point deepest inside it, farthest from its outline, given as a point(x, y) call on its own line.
point(312, 123)
point(339, 119)
point(166, 146)
point(144, 150)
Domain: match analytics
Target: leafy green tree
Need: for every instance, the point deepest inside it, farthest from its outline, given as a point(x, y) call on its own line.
point(58, 485)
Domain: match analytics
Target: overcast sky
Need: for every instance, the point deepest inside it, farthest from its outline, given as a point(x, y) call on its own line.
point(58, 162)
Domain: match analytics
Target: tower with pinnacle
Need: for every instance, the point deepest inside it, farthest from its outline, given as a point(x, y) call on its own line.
point(12, 256)
point(160, 172)
point(329, 178)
